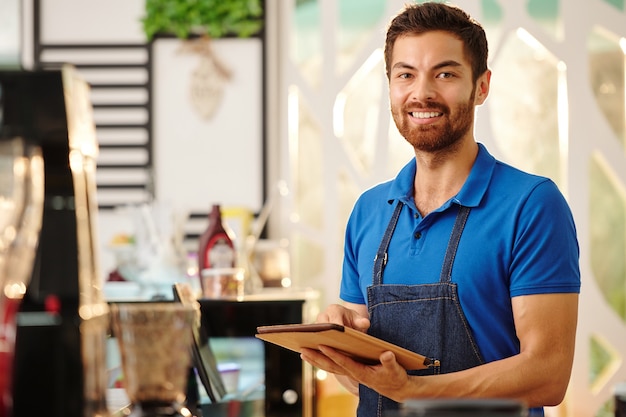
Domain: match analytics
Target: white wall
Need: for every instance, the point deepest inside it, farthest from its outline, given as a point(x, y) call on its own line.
point(9, 33)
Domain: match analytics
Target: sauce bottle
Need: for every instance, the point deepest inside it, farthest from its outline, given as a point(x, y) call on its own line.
point(216, 249)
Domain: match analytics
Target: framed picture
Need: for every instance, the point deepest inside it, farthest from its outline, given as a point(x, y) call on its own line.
point(208, 122)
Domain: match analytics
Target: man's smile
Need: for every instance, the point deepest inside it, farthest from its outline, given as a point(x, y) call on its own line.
point(425, 114)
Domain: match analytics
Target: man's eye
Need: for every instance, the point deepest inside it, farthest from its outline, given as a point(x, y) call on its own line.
point(445, 75)
point(405, 75)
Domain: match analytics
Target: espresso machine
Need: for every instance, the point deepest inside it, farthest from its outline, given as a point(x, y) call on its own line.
point(21, 206)
point(62, 321)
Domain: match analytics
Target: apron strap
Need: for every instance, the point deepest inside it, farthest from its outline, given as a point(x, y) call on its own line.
point(381, 256)
point(453, 244)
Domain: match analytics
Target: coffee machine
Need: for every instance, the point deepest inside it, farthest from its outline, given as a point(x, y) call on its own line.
point(62, 322)
point(21, 207)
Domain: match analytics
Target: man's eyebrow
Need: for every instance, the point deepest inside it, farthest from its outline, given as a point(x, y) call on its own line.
point(449, 63)
point(443, 64)
point(402, 65)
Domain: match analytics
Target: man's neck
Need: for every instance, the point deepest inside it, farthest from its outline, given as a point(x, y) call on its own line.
point(440, 176)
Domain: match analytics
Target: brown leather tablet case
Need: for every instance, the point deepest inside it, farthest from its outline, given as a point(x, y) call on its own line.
point(358, 345)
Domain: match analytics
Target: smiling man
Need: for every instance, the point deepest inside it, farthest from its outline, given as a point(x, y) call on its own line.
point(460, 258)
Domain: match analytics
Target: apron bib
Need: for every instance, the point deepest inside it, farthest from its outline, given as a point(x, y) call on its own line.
point(426, 319)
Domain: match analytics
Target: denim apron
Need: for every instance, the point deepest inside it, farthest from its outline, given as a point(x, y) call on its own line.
point(426, 319)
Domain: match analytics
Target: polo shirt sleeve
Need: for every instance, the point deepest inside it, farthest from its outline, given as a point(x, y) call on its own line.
point(545, 250)
point(350, 289)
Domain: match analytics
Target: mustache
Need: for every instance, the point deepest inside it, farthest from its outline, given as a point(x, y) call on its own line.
point(426, 107)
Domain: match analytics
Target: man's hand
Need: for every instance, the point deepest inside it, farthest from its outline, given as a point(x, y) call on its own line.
point(350, 315)
point(388, 378)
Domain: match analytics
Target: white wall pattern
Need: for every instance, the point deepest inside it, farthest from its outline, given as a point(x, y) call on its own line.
point(588, 132)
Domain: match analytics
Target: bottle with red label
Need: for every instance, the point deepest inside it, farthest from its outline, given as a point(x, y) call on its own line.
point(216, 248)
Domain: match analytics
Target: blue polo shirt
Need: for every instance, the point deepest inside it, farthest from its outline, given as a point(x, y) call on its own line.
point(519, 239)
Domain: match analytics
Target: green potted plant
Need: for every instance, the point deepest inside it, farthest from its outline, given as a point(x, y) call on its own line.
point(210, 18)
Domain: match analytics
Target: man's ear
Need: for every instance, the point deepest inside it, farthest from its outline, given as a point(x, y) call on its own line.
point(482, 88)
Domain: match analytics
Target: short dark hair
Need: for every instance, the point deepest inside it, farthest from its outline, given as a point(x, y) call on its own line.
point(426, 17)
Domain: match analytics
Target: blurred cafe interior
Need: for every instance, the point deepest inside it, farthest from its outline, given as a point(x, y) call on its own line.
point(135, 141)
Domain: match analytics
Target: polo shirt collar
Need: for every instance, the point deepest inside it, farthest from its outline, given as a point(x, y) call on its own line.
point(470, 194)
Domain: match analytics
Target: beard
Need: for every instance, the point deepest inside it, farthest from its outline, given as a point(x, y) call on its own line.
point(429, 138)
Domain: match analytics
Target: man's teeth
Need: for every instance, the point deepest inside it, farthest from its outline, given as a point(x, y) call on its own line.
point(425, 114)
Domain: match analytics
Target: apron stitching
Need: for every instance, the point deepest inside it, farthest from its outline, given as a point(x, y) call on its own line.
point(381, 255)
point(468, 331)
point(453, 244)
point(414, 301)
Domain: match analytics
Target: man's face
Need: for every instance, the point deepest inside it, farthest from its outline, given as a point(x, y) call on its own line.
point(431, 90)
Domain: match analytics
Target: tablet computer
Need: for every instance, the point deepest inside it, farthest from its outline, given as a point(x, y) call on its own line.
point(358, 345)
point(202, 355)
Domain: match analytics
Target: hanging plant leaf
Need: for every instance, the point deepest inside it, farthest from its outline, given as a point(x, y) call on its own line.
point(213, 18)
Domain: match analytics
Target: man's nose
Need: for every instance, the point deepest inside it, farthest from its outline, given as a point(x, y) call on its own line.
point(423, 89)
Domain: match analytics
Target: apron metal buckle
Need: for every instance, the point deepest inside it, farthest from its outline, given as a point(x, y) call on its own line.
point(432, 363)
point(384, 259)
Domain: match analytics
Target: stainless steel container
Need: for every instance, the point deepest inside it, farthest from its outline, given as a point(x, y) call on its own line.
point(461, 408)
